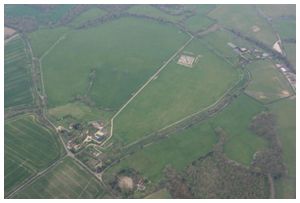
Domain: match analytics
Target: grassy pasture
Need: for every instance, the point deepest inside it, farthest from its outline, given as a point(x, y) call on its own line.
point(123, 53)
point(286, 28)
point(235, 119)
point(160, 194)
point(218, 41)
point(66, 180)
point(177, 92)
point(79, 111)
point(290, 49)
point(244, 18)
point(279, 10)
point(151, 11)
point(28, 147)
point(88, 15)
point(42, 39)
point(201, 9)
point(179, 150)
point(286, 118)
point(17, 78)
point(268, 83)
point(198, 22)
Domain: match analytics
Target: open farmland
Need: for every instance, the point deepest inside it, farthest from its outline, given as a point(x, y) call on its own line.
point(244, 18)
point(274, 10)
point(160, 194)
point(29, 147)
point(42, 39)
point(79, 111)
point(290, 49)
point(139, 53)
point(286, 117)
point(66, 180)
point(17, 83)
point(176, 92)
point(199, 21)
point(268, 83)
point(149, 101)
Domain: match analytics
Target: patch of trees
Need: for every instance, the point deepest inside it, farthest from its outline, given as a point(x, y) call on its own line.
point(22, 24)
point(176, 184)
point(172, 9)
point(214, 176)
point(270, 160)
point(73, 13)
point(114, 8)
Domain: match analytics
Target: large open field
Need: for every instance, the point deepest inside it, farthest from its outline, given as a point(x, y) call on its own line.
point(17, 82)
point(268, 83)
point(177, 92)
point(245, 19)
point(286, 118)
point(122, 54)
point(42, 39)
point(66, 180)
point(29, 147)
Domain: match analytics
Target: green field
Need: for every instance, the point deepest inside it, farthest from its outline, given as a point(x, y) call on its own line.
point(42, 39)
point(178, 150)
point(286, 28)
point(278, 10)
point(90, 14)
point(160, 194)
point(234, 120)
point(198, 22)
point(290, 49)
point(140, 47)
point(286, 118)
point(66, 180)
point(177, 92)
point(244, 18)
point(17, 77)
point(29, 147)
point(79, 111)
point(268, 83)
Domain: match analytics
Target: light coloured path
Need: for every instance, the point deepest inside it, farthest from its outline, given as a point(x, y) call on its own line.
point(141, 89)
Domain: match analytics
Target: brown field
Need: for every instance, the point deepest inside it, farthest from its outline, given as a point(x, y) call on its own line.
point(8, 32)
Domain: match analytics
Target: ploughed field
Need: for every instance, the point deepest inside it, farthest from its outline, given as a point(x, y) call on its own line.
point(28, 148)
point(66, 180)
point(17, 84)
